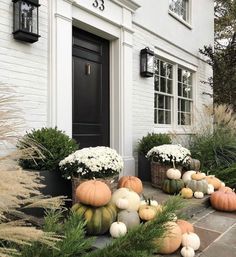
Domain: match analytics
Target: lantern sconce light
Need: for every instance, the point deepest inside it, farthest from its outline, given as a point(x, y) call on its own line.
point(26, 20)
point(146, 62)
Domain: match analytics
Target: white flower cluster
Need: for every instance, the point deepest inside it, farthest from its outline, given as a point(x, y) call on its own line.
point(170, 153)
point(94, 159)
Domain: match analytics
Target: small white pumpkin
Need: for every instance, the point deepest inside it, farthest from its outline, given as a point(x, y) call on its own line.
point(187, 175)
point(187, 251)
point(173, 173)
point(146, 202)
point(210, 189)
point(198, 195)
point(122, 203)
point(118, 229)
point(192, 240)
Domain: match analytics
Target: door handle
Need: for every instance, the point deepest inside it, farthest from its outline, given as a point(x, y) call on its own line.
point(87, 69)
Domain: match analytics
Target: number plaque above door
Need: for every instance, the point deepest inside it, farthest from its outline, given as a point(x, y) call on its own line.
point(100, 4)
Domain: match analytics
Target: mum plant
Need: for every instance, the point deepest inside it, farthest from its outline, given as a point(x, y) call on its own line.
point(92, 162)
point(169, 154)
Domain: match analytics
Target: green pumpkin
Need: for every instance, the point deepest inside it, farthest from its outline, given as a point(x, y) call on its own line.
point(198, 185)
point(98, 219)
point(172, 186)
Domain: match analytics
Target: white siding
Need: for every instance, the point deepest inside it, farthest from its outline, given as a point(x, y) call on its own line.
point(24, 66)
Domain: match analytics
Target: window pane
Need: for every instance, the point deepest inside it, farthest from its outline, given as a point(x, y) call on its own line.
point(155, 100)
point(167, 102)
point(157, 83)
point(161, 101)
point(156, 66)
point(163, 68)
point(155, 116)
point(180, 7)
point(163, 84)
point(167, 117)
point(161, 117)
point(169, 71)
point(185, 90)
point(179, 89)
point(179, 75)
point(169, 86)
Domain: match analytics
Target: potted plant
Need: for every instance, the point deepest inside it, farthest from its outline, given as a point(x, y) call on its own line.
point(144, 145)
point(54, 146)
point(164, 157)
point(102, 163)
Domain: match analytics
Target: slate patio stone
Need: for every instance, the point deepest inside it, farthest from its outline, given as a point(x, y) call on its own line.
point(215, 223)
point(206, 236)
point(229, 238)
point(221, 250)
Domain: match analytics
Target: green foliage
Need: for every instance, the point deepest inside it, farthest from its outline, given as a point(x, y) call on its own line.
point(152, 139)
point(228, 175)
point(73, 242)
point(139, 241)
point(54, 144)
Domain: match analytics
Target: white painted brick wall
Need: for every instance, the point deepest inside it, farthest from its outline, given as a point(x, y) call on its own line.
point(143, 88)
point(24, 67)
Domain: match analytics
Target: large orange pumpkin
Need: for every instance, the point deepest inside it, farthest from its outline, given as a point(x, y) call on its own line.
point(171, 240)
point(215, 182)
point(94, 193)
point(223, 201)
point(131, 182)
point(185, 226)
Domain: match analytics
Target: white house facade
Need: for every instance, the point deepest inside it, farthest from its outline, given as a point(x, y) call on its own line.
point(83, 74)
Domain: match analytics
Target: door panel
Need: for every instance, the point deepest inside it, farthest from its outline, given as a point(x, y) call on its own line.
point(90, 89)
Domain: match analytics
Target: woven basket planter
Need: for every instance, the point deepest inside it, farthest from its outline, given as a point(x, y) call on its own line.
point(158, 173)
point(112, 183)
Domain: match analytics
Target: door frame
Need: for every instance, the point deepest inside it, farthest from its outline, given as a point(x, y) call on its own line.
point(118, 29)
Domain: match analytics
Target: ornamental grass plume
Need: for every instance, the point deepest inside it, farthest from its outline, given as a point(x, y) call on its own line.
point(18, 188)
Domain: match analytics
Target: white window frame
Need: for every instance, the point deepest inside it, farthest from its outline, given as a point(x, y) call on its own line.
point(174, 126)
point(188, 21)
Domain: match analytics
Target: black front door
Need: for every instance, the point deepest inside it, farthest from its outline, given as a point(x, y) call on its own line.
point(90, 89)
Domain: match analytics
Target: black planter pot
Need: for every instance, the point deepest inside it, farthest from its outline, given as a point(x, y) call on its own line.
point(144, 168)
point(55, 185)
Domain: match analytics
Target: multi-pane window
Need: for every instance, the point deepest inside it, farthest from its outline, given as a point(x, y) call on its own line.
point(180, 8)
point(185, 82)
point(163, 92)
point(173, 94)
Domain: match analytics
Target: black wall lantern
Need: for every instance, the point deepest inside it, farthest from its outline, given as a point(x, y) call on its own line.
point(26, 20)
point(146, 62)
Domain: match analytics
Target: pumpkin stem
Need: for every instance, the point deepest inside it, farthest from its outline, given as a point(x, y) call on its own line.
point(174, 164)
point(149, 201)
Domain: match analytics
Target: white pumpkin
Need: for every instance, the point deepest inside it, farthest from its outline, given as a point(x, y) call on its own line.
point(192, 240)
point(146, 202)
point(118, 229)
point(122, 203)
point(187, 175)
point(187, 252)
point(198, 195)
point(132, 197)
point(173, 173)
point(210, 189)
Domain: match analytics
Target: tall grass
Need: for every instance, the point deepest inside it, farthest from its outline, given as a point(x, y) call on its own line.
point(214, 142)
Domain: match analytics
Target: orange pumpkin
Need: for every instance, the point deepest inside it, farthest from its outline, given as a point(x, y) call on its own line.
point(172, 239)
point(131, 182)
point(198, 176)
point(94, 193)
point(215, 182)
point(185, 226)
point(226, 189)
point(223, 201)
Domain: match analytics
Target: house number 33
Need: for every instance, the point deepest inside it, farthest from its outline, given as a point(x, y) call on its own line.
point(99, 4)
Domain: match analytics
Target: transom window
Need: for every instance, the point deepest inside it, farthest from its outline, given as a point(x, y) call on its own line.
point(180, 8)
point(172, 94)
